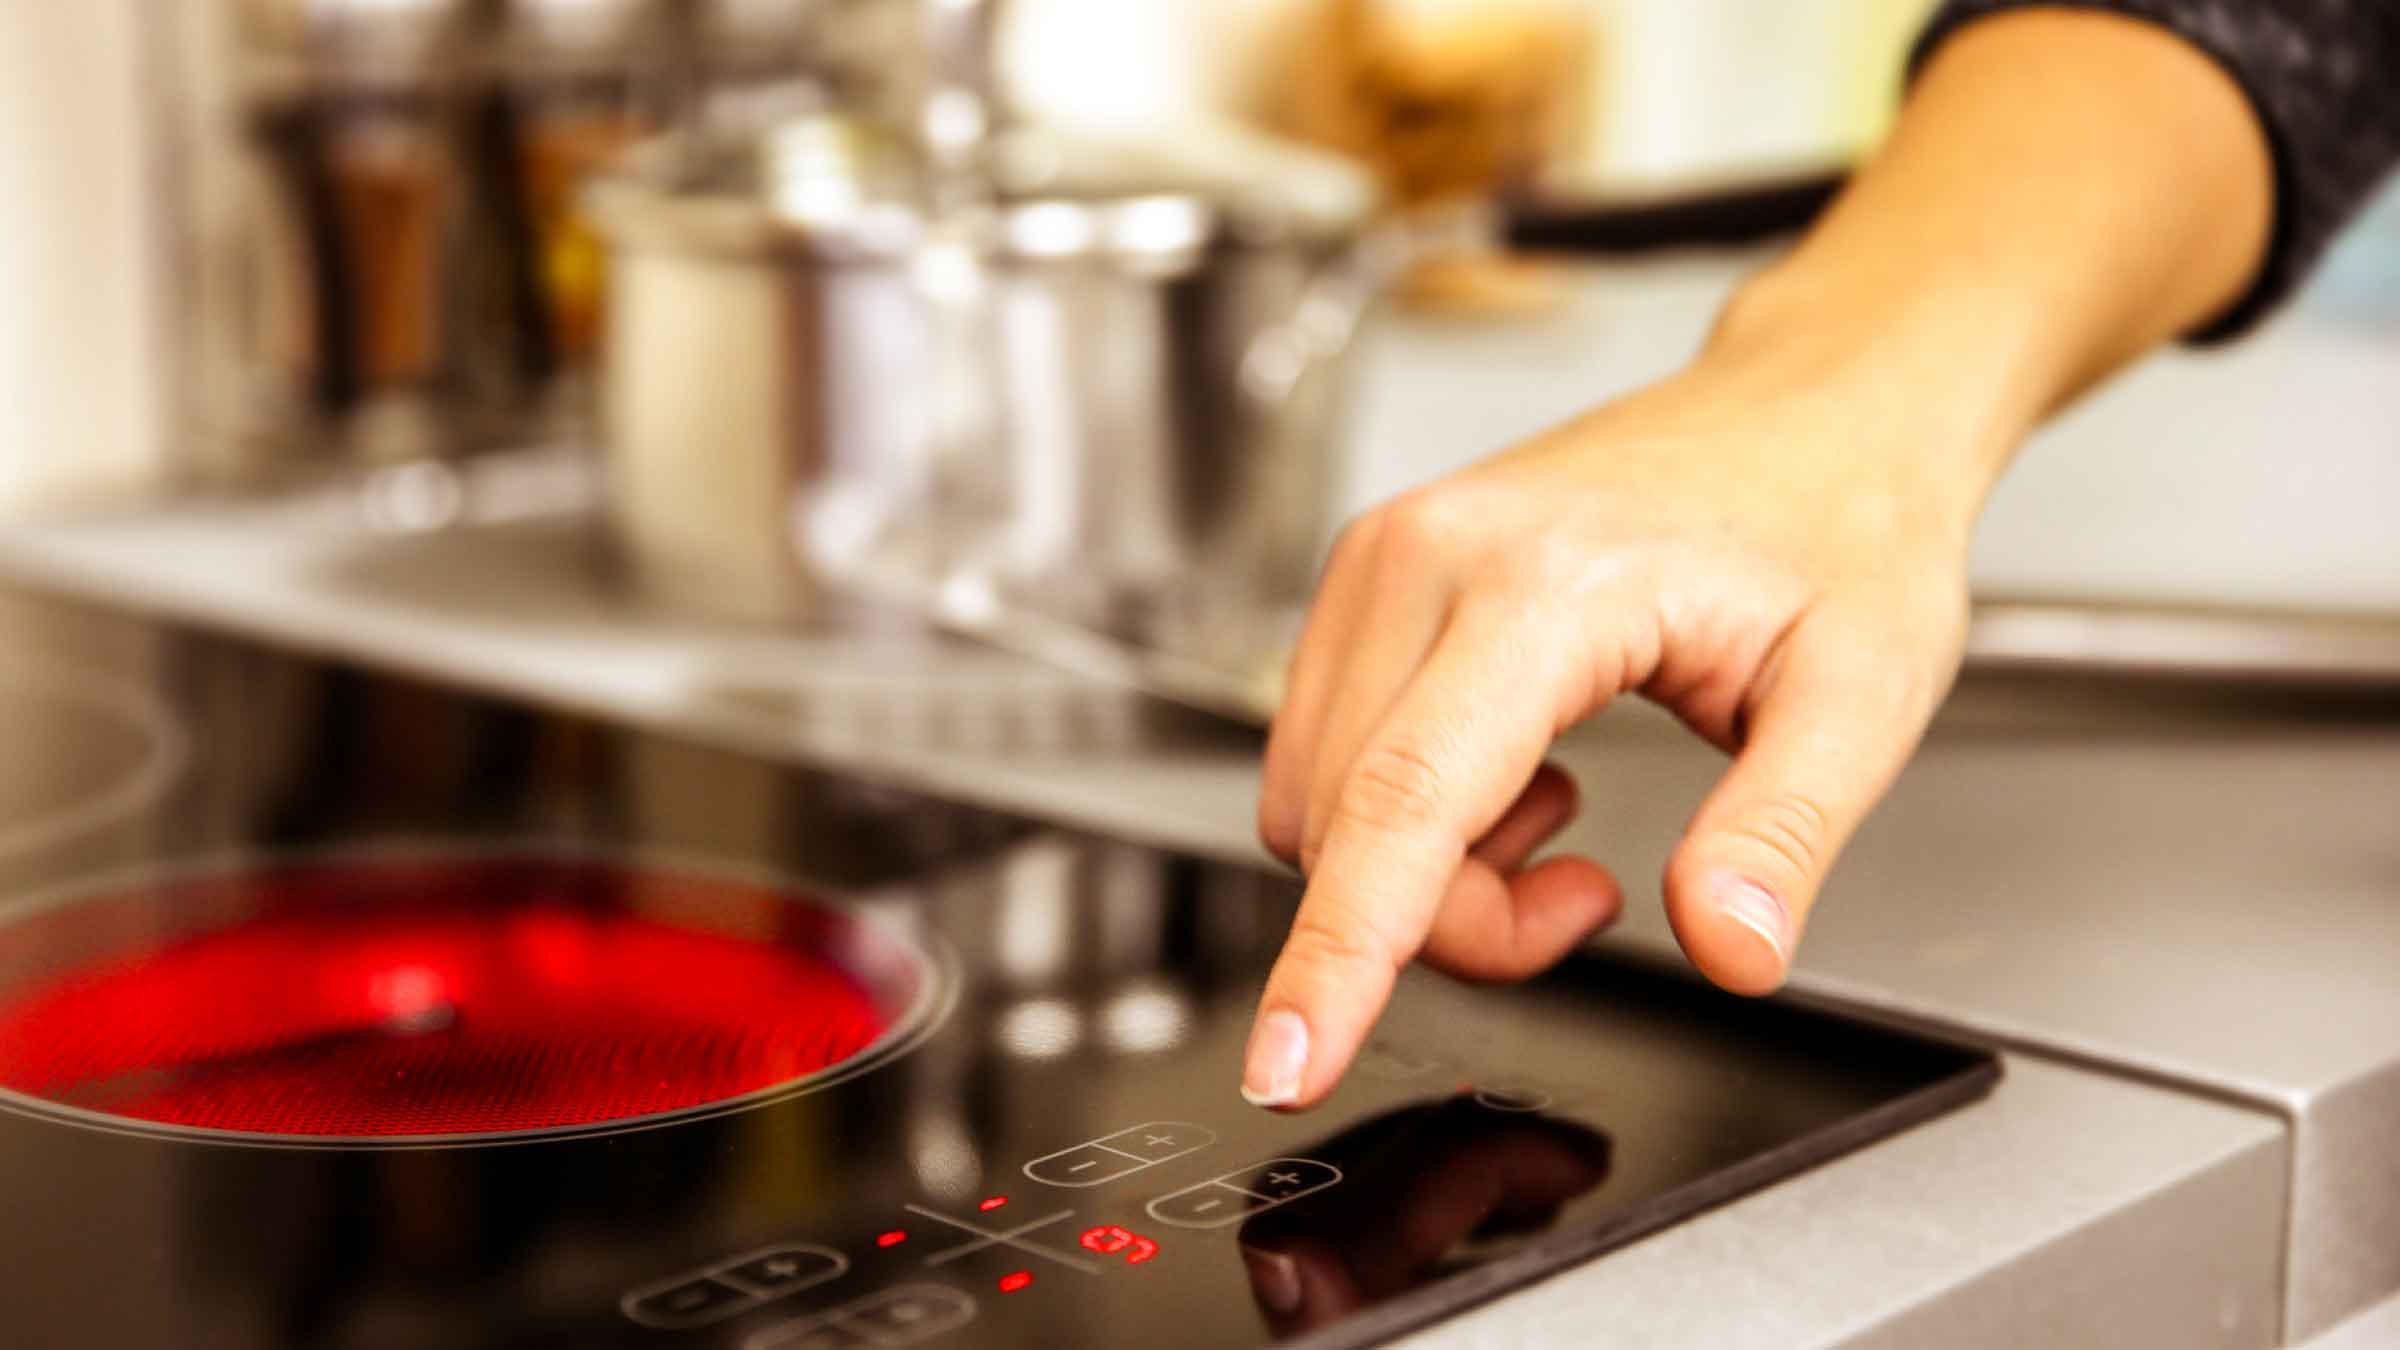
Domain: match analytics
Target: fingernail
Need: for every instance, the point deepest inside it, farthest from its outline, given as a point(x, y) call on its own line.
point(1278, 1054)
point(1755, 908)
point(1275, 1277)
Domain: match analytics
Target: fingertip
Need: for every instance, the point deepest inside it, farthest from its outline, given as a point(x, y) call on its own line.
point(1275, 1064)
point(1737, 932)
point(1318, 1008)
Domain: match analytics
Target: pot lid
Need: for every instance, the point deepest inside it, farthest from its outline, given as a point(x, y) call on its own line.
point(833, 184)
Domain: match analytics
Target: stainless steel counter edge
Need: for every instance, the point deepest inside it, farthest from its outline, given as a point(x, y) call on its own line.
point(2378, 1328)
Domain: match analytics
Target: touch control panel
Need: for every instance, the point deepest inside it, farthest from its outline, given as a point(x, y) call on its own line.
point(1119, 1155)
point(900, 1316)
point(736, 1284)
point(1241, 1193)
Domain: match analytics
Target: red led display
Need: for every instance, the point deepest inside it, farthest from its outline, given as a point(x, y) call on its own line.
point(1015, 1280)
point(991, 1202)
point(1109, 1239)
point(891, 1239)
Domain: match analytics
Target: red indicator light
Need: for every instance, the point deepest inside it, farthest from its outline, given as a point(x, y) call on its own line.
point(1015, 1280)
point(991, 1202)
point(1109, 1239)
point(891, 1239)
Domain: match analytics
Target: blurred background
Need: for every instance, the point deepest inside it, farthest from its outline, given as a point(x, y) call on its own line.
point(1076, 323)
point(129, 134)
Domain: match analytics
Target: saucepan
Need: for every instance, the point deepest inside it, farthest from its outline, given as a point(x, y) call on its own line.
point(1096, 412)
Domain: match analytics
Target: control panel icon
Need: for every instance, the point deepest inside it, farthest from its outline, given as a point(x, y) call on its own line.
point(1227, 1199)
point(888, 1318)
point(1119, 1155)
point(736, 1284)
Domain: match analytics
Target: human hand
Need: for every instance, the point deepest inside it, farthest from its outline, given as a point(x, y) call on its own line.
point(1780, 564)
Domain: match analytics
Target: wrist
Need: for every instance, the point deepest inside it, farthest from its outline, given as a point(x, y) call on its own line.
point(1935, 385)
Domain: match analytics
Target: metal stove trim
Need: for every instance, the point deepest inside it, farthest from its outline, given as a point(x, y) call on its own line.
point(168, 749)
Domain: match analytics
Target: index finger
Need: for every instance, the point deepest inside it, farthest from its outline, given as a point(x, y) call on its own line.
point(1455, 751)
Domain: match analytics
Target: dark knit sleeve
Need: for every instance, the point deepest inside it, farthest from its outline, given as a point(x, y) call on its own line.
point(2324, 76)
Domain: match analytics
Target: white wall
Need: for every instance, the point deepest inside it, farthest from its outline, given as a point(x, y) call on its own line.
point(79, 363)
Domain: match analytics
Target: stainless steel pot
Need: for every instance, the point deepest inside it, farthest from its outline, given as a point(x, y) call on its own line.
point(765, 352)
point(1101, 403)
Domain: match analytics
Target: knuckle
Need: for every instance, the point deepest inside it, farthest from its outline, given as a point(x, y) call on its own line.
point(1793, 828)
point(1392, 789)
point(1342, 939)
point(1421, 524)
point(1354, 542)
point(1553, 561)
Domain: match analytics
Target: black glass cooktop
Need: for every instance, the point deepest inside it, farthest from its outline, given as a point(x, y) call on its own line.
point(341, 1010)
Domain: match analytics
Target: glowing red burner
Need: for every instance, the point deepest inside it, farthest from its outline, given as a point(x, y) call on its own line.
point(436, 997)
point(1015, 1280)
point(991, 1202)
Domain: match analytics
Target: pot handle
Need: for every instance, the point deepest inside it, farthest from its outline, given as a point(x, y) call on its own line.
point(1325, 318)
point(1320, 326)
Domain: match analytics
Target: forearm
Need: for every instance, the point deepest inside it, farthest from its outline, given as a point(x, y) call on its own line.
point(2063, 192)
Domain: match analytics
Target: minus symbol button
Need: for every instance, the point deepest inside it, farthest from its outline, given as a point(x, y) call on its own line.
point(1211, 1204)
point(1083, 1165)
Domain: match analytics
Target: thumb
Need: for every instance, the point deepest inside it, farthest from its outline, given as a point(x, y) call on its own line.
point(1832, 729)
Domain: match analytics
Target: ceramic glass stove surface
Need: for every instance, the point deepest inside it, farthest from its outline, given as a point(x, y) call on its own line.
point(404, 1017)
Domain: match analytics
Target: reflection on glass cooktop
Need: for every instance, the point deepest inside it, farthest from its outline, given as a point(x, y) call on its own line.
point(988, 1099)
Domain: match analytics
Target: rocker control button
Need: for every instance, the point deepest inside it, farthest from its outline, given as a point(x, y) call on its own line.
point(1213, 1204)
point(1283, 1179)
point(1083, 1165)
point(692, 1303)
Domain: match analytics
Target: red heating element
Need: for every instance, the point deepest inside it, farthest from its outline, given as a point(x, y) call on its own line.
point(1015, 1280)
point(435, 998)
